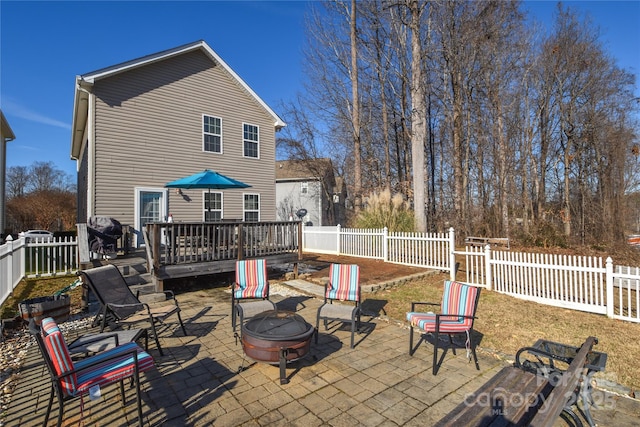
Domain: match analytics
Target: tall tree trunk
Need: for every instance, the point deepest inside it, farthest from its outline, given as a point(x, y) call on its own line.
point(418, 120)
point(355, 113)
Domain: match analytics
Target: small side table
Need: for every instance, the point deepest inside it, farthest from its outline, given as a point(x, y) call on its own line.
point(95, 343)
point(549, 350)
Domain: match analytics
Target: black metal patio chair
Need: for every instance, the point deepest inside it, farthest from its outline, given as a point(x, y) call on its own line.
point(119, 306)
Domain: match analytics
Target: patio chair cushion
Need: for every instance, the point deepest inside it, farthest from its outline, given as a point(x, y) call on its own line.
point(48, 326)
point(344, 280)
point(113, 368)
point(251, 279)
point(62, 363)
point(457, 298)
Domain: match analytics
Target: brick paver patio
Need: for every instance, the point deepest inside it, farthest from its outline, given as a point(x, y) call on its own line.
point(199, 381)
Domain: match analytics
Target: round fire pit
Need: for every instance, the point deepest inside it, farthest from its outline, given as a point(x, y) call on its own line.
point(277, 337)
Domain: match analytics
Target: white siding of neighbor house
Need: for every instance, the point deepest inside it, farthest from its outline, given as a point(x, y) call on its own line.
point(288, 193)
point(148, 131)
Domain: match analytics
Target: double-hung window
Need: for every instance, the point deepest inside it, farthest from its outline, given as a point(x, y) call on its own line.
point(212, 206)
point(304, 188)
point(250, 141)
point(212, 134)
point(252, 207)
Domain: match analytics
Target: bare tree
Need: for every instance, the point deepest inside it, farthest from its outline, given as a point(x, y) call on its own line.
point(17, 181)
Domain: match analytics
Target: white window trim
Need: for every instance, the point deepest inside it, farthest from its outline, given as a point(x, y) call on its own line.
point(204, 208)
point(207, 133)
point(245, 140)
point(244, 210)
point(164, 208)
point(304, 187)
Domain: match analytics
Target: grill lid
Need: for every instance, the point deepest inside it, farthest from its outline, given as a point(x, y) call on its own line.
point(275, 325)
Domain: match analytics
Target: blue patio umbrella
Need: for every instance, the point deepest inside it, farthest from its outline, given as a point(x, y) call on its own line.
point(207, 179)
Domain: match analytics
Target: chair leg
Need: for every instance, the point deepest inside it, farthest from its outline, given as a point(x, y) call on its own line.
point(184, 331)
point(155, 336)
point(46, 416)
point(317, 326)
point(453, 347)
point(473, 349)
point(234, 317)
point(411, 340)
point(353, 331)
point(138, 400)
point(435, 352)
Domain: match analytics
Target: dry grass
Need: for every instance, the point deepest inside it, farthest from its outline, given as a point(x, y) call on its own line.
point(508, 323)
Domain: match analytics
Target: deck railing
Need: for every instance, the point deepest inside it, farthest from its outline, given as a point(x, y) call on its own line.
point(191, 242)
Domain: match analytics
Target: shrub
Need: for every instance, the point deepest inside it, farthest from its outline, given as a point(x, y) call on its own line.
point(383, 210)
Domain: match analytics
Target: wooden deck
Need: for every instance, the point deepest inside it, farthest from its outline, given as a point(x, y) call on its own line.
point(177, 250)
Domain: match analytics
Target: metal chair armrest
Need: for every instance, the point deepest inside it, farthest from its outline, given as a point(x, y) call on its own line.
point(416, 303)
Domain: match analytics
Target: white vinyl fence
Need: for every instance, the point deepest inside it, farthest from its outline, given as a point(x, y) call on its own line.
point(574, 282)
point(428, 250)
point(35, 258)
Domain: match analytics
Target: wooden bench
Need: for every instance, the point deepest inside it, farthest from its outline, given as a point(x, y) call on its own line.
point(494, 242)
point(517, 397)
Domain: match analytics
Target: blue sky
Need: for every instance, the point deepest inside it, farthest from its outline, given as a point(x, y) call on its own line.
point(44, 45)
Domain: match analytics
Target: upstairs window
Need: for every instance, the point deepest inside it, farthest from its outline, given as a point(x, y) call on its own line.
point(250, 141)
point(212, 134)
point(252, 207)
point(304, 187)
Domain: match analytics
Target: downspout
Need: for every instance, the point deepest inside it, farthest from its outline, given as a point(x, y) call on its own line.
point(91, 174)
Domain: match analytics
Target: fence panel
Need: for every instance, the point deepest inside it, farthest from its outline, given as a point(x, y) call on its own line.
point(474, 266)
point(428, 250)
point(11, 266)
point(367, 243)
point(323, 239)
point(626, 304)
point(57, 257)
point(559, 280)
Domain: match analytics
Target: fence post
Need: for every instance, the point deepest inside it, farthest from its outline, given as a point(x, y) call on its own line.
point(338, 239)
point(385, 242)
point(609, 285)
point(10, 284)
point(487, 266)
point(453, 268)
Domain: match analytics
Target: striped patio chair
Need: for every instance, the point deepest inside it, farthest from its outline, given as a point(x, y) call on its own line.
point(71, 379)
point(457, 313)
point(344, 286)
point(250, 291)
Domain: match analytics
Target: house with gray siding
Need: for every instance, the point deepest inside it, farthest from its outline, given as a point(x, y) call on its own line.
point(310, 185)
point(143, 123)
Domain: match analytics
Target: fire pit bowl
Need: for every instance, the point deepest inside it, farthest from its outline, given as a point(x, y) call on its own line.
point(277, 337)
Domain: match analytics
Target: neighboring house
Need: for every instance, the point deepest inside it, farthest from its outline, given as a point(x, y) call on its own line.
point(143, 123)
point(6, 135)
point(309, 185)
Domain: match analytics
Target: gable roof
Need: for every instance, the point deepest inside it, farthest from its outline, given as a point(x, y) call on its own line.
point(312, 169)
point(85, 82)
